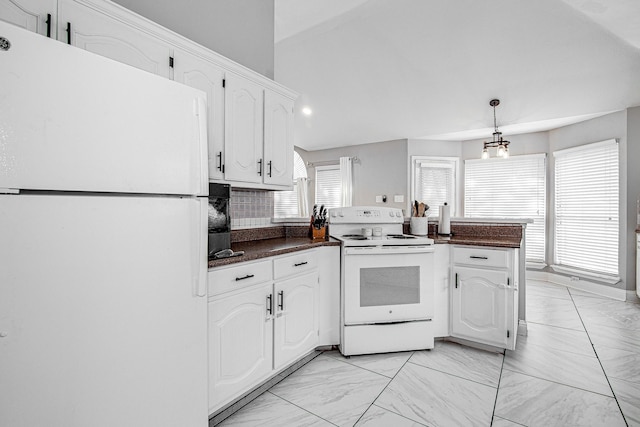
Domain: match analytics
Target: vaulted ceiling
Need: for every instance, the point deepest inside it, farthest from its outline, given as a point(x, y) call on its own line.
point(377, 70)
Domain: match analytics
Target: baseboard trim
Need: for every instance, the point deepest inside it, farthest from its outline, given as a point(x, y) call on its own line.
point(581, 285)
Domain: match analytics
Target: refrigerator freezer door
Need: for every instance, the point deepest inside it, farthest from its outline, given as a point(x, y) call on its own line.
point(102, 322)
point(71, 120)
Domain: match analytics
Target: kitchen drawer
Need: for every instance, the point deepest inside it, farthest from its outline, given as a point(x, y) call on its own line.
point(299, 262)
point(225, 279)
point(481, 256)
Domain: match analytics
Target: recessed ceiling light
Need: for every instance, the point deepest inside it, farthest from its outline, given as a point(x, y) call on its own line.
point(306, 111)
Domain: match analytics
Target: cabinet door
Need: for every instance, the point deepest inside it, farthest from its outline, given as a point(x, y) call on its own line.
point(243, 132)
point(202, 74)
point(34, 15)
point(296, 323)
point(278, 139)
point(240, 342)
point(92, 30)
point(480, 305)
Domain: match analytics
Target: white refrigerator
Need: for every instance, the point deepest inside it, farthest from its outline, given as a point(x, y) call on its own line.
point(103, 241)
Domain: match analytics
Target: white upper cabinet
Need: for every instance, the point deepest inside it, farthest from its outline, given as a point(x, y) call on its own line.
point(278, 139)
point(201, 74)
point(243, 130)
point(92, 30)
point(34, 15)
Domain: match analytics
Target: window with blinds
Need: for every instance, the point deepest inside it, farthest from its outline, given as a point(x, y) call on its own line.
point(328, 186)
point(587, 182)
point(510, 188)
point(285, 203)
point(434, 182)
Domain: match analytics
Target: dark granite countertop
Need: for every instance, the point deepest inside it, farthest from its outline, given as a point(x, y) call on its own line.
point(257, 249)
point(495, 241)
point(271, 241)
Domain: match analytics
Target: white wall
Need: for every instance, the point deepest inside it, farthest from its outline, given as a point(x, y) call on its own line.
point(381, 169)
point(240, 30)
point(633, 190)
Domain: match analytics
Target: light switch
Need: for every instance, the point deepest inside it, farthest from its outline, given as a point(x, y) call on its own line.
point(378, 199)
point(398, 198)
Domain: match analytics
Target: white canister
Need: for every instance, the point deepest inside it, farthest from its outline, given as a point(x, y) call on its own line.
point(366, 232)
point(377, 231)
point(419, 225)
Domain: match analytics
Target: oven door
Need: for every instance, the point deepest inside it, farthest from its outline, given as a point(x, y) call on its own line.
point(385, 284)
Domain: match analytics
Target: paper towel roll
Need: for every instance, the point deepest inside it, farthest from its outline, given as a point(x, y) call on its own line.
point(444, 225)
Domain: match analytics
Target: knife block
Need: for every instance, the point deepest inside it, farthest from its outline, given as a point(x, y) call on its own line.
point(318, 233)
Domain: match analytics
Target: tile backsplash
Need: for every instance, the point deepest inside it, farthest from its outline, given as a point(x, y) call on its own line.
point(251, 208)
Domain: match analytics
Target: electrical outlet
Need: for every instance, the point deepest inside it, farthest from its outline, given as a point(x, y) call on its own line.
point(398, 198)
point(378, 199)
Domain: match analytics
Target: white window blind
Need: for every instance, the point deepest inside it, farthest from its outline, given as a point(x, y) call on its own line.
point(285, 203)
point(328, 186)
point(510, 188)
point(434, 182)
point(587, 183)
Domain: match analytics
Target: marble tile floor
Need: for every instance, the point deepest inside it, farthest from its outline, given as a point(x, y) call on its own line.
point(579, 365)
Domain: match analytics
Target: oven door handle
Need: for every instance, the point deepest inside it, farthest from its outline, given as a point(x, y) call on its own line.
point(388, 250)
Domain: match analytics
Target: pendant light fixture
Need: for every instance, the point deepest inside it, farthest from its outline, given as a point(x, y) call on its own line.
point(501, 144)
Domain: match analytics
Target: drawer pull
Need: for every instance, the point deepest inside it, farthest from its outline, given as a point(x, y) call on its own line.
point(478, 257)
point(300, 263)
point(270, 304)
point(248, 276)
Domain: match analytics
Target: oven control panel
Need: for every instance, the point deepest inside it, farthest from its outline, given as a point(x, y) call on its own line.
point(366, 215)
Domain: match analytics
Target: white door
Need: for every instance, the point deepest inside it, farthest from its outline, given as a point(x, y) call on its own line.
point(296, 323)
point(38, 16)
point(87, 123)
point(103, 311)
point(91, 30)
point(240, 342)
point(480, 309)
point(201, 74)
point(387, 284)
point(278, 139)
point(243, 132)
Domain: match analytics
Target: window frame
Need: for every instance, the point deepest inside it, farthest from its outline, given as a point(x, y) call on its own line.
point(539, 261)
point(600, 275)
point(455, 162)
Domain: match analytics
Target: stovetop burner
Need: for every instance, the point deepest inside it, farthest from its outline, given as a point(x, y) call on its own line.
point(400, 236)
point(355, 237)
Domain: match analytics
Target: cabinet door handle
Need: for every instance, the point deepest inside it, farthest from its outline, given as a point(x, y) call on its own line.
point(68, 32)
point(478, 257)
point(269, 168)
point(269, 304)
point(248, 276)
point(220, 166)
point(281, 300)
point(260, 167)
point(300, 263)
point(48, 21)
point(456, 280)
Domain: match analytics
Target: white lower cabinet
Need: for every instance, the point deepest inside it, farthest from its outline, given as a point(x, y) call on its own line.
point(240, 342)
point(484, 296)
point(263, 316)
point(296, 322)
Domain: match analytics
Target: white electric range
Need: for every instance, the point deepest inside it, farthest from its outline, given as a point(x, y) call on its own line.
point(387, 282)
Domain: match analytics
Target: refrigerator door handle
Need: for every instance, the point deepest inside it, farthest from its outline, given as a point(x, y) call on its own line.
point(201, 112)
point(199, 277)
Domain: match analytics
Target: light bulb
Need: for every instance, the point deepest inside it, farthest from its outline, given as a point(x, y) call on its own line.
point(505, 155)
point(500, 150)
point(485, 153)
